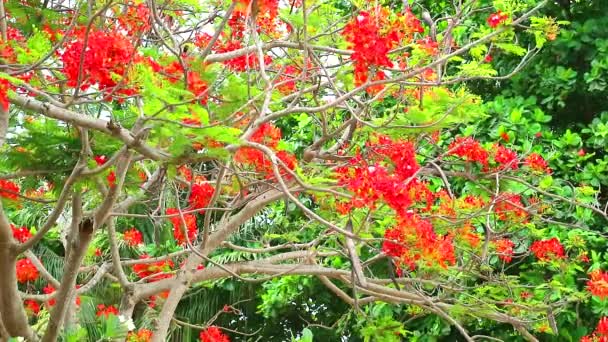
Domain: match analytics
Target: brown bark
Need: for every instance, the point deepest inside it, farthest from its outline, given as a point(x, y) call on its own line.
point(68, 281)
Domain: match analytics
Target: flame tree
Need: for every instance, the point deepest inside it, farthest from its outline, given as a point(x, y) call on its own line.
point(142, 140)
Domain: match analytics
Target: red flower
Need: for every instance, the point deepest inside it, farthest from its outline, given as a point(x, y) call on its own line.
point(583, 257)
point(546, 250)
point(106, 56)
point(505, 157)
point(12, 189)
point(49, 289)
point(429, 46)
point(32, 306)
point(602, 327)
point(535, 162)
point(133, 237)
point(581, 153)
point(488, 59)
point(142, 335)
point(414, 239)
point(497, 18)
point(111, 179)
point(21, 234)
point(267, 134)
point(509, 207)
point(190, 221)
point(155, 269)
point(135, 19)
point(106, 311)
point(469, 149)
point(373, 34)
point(505, 136)
point(198, 87)
point(200, 195)
point(213, 334)
point(504, 248)
point(4, 88)
point(100, 160)
point(598, 284)
point(26, 271)
point(98, 252)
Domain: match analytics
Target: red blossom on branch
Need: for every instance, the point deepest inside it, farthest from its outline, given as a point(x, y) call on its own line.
point(142, 335)
point(598, 284)
point(133, 237)
point(546, 250)
point(200, 195)
point(105, 311)
point(537, 163)
point(107, 56)
point(21, 234)
point(497, 18)
point(156, 270)
point(469, 149)
point(26, 271)
point(191, 228)
point(504, 248)
point(213, 334)
point(11, 189)
point(31, 306)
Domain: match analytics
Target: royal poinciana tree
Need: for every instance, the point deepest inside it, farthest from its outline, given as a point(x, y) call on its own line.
point(140, 138)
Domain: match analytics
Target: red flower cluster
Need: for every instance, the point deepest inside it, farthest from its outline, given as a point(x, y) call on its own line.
point(200, 195)
point(598, 284)
point(449, 207)
point(467, 234)
point(286, 80)
point(497, 18)
point(21, 234)
point(106, 55)
point(153, 270)
point(428, 45)
point(142, 335)
point(414, 239)
point(266, 19)
point(100, 159)
point(11, 189)
point(504, 248)
point(196, 85)
point(136, 19)
point(26, 271)
point(191, 228)
point(600, 334)
point(5, 86)
point(213, 334)
point(269, 135)
point(535, 162)
point(388, 176)
point(49, 289)
point(373, 35)
point(469, 149)
point(7, 52)
point(546, 250)
point(509, 207)
point(31, 307)
point(505, 157)
point(133, 237)
point(105, 311)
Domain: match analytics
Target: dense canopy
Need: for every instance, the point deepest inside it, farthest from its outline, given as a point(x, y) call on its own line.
point(331, 170)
